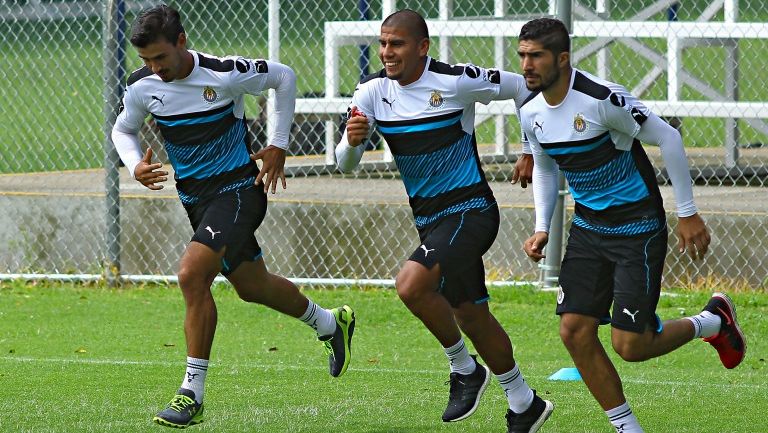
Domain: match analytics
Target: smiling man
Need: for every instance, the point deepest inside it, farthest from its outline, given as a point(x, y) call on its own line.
point(591, 129)
point(425, 110)
point(197, 101)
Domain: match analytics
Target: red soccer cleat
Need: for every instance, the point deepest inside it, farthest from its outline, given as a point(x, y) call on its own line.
point(729, 342)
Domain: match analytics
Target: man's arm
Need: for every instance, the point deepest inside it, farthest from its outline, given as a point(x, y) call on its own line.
point(523, 170)
point(692, 232)
point(125, 137)
point(349, 151)
point(282, 78)
point(545, 191)
point(271, 75)
point(141, 167)
point(658, 132)
point(360, 118)
point(512, 86)
point(128, 147)
point(625, 114)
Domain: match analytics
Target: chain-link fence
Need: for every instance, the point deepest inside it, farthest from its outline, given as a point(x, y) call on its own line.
point(697, 63)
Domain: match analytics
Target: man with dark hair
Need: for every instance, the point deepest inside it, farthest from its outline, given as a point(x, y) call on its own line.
point(425, 110)
point(197, 102)
point(591, 129)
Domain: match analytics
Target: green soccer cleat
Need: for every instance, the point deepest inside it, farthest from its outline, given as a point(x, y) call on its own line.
point(339, 344)
point(182, 412)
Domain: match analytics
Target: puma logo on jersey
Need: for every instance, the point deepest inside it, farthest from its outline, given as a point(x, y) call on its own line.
point(426, 251)
point(213, 233)
point(632, 315)
point(386, 101)
point(536, 124)
point(160, 100)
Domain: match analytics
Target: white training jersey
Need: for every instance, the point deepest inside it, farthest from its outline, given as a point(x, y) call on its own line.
point(201, 119)
point(429, 127)
point(591, 137)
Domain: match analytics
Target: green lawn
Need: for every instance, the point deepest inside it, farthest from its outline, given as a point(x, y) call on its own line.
point(91, 359)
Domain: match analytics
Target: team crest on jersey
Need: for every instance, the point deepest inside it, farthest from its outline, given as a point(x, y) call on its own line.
point(580, 124)
point(209, 94)
point(436, 99)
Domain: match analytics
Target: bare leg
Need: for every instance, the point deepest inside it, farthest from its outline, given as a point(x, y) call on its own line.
point(579, 334)
point(487, 335)
point(634, 347)
point(198, 267)
point(254, 283)
point(417, 288)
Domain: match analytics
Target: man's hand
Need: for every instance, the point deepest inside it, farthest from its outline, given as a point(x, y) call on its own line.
point(145, 172)
point(535, 244)
point(357, 127)
point(693, 236)
point(523, 170)
point(272, 167)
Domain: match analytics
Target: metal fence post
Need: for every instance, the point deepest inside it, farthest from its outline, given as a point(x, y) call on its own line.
point(551, 266)
point(364, 61)
point(731, 9)
point(114, 76)
point(273, 42)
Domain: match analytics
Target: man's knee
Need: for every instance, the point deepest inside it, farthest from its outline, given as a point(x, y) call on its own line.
point(473, 318)
point(414, 283)
point(577, 332)
point(630, 348)
point(253, 291)
point(407, 291)
point(194, 281)
point(253, 283)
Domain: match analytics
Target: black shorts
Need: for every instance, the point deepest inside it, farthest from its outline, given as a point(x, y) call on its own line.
point(230, 220)
point(457, 242)
point(601, 270)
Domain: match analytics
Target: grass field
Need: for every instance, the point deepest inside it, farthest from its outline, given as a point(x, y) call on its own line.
point(92, 359)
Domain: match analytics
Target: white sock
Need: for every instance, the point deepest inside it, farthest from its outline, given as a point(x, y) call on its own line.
point(194, 379)
point(623, 420)
point(705, 324)
point(519, 394)
point(459, 357)
point(319, 319)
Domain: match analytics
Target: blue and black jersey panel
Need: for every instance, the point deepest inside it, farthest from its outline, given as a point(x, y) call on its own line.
point(431, 174)
point(195, 191)
point(583, 155)
point(626, 220)
point(209, 159)
point(620, 197)
point(599, 175)
point(439, 165)
point(196, 128)
point(428, 210)
point(424, 135)
point(208, 151)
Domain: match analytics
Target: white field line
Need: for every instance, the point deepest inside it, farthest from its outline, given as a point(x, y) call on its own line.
point(374, 370)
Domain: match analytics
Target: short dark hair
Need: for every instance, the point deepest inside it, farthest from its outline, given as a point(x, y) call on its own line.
point(409, 19)
point(550, 32)
point(154, 23)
